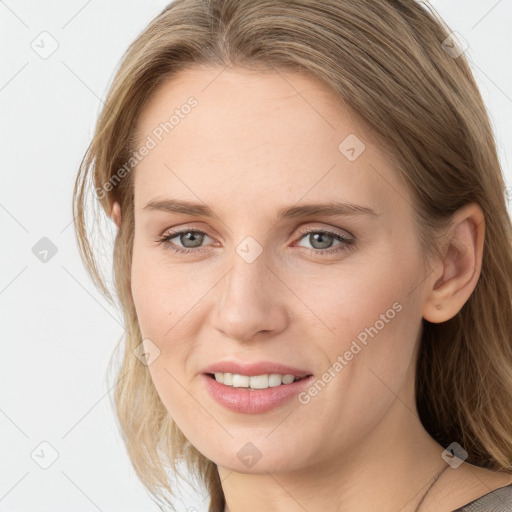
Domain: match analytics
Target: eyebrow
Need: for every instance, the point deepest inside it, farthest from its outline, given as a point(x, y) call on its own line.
point(330, 208)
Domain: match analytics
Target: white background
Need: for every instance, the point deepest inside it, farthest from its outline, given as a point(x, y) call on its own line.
point(58, 331)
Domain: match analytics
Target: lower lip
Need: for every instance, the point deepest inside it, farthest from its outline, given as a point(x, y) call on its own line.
point(254, 401)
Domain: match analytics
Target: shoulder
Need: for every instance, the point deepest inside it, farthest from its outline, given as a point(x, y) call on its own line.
point(471, 488)
point(498, 500)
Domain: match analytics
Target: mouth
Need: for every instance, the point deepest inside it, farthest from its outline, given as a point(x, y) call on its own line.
point(255, 382)
point(256, 394)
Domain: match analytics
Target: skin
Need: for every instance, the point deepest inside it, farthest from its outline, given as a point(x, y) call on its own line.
point(256, 142)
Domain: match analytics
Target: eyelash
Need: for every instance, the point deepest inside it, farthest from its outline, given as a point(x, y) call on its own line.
point(345, 245)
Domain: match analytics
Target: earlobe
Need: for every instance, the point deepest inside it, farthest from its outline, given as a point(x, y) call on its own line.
point(116, 214)
point(461, 265)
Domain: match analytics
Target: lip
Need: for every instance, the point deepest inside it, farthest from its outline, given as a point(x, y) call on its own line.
point(252, 369)
point(253, 401)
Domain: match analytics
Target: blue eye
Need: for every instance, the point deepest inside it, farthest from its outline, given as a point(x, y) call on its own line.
point(195, 238)
point(325, 239)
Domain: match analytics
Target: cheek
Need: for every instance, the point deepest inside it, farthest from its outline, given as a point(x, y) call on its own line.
point(161, 294)
point(367, 318)
point(367, 361)
point(161, 306)
point(166, 302)
point(146, 297)
point(345, 300)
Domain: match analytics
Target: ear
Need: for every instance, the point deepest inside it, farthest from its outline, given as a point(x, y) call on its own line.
point(453, 280)
point(115, 215)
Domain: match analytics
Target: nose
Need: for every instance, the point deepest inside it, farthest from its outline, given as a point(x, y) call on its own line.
point(252, 301)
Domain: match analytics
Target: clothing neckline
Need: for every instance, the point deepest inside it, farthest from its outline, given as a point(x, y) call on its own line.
point(481, 497)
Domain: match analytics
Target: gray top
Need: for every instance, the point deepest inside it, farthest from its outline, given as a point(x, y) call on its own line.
point(499, 500)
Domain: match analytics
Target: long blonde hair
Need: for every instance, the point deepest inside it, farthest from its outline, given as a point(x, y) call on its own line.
point(390, 63)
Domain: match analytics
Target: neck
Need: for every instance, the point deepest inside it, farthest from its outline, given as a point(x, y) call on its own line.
point(388, 468)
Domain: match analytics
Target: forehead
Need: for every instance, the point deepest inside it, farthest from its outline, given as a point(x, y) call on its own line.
point(255, 135)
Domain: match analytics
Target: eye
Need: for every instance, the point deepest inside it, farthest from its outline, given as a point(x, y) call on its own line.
point(322, 240)
point(190, 241)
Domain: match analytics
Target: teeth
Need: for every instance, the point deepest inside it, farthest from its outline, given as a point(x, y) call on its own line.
point(254, 382)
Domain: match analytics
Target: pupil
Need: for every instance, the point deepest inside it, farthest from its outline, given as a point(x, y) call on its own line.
point(314, 239)
point(192, 236)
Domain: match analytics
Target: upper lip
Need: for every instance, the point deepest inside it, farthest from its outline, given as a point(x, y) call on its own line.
point(257, 368)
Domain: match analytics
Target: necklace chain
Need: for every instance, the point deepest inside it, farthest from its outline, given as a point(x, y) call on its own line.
point(430, 487)
point(421, 501)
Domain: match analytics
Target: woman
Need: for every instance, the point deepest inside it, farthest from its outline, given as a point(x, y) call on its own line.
point(313, 258)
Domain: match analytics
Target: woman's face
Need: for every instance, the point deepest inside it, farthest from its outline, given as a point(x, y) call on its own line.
point(256, 285)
